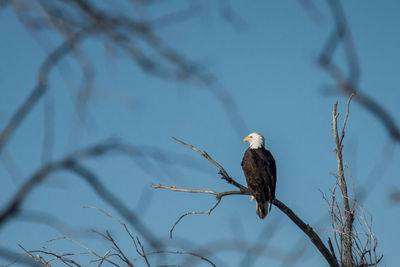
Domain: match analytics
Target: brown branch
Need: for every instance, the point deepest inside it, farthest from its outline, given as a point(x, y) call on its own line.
point(88, 250)
point(37, 258)
point(308, 230)
point(348, 213)
point(103, 258)
point(315, 239)
point(142, 253)
point(331, 248)
point(303, 226)
point(345, 118)
point(117, 248)
point(222, 171)
point(218, 195)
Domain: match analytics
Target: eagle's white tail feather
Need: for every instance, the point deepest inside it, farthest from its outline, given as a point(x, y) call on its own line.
point(262, 209)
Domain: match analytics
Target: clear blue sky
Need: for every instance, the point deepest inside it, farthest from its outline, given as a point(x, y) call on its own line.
point(269, 68)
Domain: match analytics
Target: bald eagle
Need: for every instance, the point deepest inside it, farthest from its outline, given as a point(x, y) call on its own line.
point(260, 171)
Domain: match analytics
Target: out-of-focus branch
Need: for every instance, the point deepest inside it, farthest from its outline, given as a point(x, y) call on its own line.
point(168, 62)
point(71, 162)
point(307, 229)
point(16, 257)
point(349, 83)
point(347, 239)
point(41, 86)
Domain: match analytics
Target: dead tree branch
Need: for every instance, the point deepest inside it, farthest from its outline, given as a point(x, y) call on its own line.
point(357, 243)
point(218, 196)
point(115, 251)
point(183, 253)
point(347, 239)
point(307, 229)
point(222, 171)
point(36, 258)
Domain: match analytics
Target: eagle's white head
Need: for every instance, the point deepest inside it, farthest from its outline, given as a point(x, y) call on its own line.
point(255, 140)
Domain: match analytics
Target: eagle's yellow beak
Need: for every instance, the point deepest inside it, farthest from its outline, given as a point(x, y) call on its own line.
point(246, 139)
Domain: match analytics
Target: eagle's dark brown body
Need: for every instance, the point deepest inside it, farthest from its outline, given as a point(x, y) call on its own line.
point(260, 171)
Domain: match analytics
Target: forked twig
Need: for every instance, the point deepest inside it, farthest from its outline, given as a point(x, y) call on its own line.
point(218, 195)
point(222, 171)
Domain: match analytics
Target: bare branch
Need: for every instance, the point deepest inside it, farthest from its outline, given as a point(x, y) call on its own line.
point(345, 118)
point(103, 258)
point(36, 258)
point(120, 252)
point(218, 195)
point(222, 171)
point(244, 191)
point(142, 253)
point(349, 83)
point(41, 86)
point(71, 162)
point(349, 214)
point(183, 253)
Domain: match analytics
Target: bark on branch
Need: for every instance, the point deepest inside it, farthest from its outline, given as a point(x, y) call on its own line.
point(347, 239)
point(307, 229)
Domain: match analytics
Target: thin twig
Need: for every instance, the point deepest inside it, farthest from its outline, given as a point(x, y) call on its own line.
point(120, 252)
point(103, 258)
point(183, 253)
point(345, 118)
point(37, 258)
point(143, 254)
point(222, 171)
point(219, 196)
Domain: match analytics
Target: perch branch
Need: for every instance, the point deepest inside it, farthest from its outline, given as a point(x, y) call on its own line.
point(222, 171)
point(307, 229)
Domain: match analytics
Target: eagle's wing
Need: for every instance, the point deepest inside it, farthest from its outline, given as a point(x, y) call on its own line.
point(269, 170)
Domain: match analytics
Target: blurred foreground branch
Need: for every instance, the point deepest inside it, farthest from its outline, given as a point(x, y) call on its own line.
point(72, 163)
point(349, 83)
point(41, 86)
